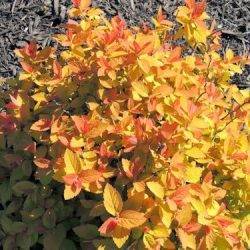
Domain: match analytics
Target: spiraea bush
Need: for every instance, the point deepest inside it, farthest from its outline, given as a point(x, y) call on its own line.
point(130, 138)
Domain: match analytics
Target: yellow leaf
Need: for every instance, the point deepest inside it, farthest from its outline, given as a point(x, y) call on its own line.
point(120, 236)
point(39, 97)
point(72, 162)
point(213, 209)
point(149, 241)
point(184, 215)
point(160, 231)
point(89, 155)
point(77, 142)
point(106, 83)
point(195, 153)
point(229, 54)
point(166, 215)
point(69, 193)
point(130, 219)
point(156, 188)
point(117, 54)
point(120, 241)
point(163, 90)
point(140, 88)
point(187, 240)
point(112, 200)
point(84, 4)
point(193, 174)
point(145, 62)
point(199, 123)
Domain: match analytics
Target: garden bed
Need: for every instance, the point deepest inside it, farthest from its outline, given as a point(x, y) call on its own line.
point(23, 20)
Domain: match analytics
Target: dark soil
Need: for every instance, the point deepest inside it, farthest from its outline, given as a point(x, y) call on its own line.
point(24, 20)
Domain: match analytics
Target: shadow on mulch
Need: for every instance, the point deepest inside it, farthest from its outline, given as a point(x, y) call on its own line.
point(24, 20)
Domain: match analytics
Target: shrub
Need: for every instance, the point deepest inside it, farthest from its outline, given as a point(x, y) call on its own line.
point(141, 127)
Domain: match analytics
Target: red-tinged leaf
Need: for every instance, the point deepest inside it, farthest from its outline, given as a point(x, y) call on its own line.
point(42, 163)
point(192, 227)
point(16, 101)
point(64, 140)
point(57, 69)
point(129, 141)
point(27, 67)
point(240, 156)
point(190, 4)
point(208, 177)
point(81, 123)
point(108, 226)
point(73, 180)
point(41, 125)
point(11, 106)
point(31, 148)
point(76, 3)
point(7, 123)
point(130, 219)
point(212, 91)
point(168, 130)
point(31, 49)
point(179, 195)
point(232, 238)
point(192, 109)
point(199, 9)
point(104, 152)
point(224, 222)
point(175, 54)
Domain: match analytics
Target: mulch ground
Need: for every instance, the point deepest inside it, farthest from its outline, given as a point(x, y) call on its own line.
point(24, 20)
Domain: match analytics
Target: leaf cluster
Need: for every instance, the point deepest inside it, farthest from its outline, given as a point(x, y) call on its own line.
point(124, 138)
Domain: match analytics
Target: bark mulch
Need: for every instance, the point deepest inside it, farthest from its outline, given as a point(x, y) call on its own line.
point(24, 20)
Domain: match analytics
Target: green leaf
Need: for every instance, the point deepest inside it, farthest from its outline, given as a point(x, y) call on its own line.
point(26, 241)
point(86, 231)
point(6, 224)
point(27, 168)
point(28, 216)
point(5, 192)
point(14, 206)
point(47, 178)
point(9, 243)
point(24, 187)
point(18, 227)
point(49, 218)
point(68, 245)
point(54, 238)
point(16, 175)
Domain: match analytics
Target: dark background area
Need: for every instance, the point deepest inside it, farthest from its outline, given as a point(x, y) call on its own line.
point(24, 20)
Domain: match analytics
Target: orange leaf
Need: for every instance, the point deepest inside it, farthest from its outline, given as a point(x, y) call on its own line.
point(130, 219)
point(42, 162)
point(41, 125)
point(81, 123)
point(27, 67)
point(190, 3)
point(91, 175)
point(57, 68)
point(168, 130)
